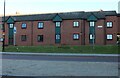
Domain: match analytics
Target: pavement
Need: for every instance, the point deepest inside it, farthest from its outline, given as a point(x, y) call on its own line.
point(58, 54)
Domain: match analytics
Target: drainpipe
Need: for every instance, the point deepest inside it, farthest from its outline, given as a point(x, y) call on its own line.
point(104, 32)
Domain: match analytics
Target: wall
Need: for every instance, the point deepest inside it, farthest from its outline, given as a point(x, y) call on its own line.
point(112, 30)
point(67, 31)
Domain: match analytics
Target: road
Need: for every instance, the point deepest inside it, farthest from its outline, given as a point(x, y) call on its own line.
point(62, 58)
point(59, 65)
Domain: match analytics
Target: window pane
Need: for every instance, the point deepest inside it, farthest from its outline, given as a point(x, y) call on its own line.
point(40, 38)
point(57, 24)
point(109, 24)
point(91, 36)
point(11, 25)
point(76, 24)
point(109, 37)
point(23, 38)
point(92, 23)
point(40, 25)
point(57, 36)
point(24, 25)
point(76, 36)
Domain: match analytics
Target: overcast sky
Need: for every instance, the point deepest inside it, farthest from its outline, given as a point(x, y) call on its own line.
point(49, 6)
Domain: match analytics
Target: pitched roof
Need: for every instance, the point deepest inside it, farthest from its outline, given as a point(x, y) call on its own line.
point(66, 15)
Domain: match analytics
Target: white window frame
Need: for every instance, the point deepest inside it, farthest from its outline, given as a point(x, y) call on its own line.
point(76, 24)
point(92, 24)
point(11, 25)
point(76, 36)
point(91, 36)
point(109, 24)
point(57, 36)
point(57, 24)
point(109, 36)
point(24, 25)
point(40, 25)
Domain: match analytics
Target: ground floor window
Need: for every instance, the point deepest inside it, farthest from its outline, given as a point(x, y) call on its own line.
point(76, 36)
point(23, 38)
point(57, 38)
point(109, 37)
point(91, 36)
point(40, 38)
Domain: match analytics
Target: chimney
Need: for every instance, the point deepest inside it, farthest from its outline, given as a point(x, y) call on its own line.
point(17, 13)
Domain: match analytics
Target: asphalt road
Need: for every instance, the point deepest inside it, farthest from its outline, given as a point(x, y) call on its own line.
point(62, 58)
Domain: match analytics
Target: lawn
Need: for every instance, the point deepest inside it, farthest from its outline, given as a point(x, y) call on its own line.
point(64, 49)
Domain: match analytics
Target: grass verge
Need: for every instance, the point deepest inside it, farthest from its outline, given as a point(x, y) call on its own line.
point(65, 49)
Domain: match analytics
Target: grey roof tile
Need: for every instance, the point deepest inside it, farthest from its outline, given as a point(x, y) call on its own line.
point(66, 15)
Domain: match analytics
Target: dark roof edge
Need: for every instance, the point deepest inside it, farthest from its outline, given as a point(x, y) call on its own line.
point(61, 13)
point(118, 14)
point(106, 13)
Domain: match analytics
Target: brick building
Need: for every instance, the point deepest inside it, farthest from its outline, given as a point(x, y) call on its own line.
point(70, 28)
point(1, 38)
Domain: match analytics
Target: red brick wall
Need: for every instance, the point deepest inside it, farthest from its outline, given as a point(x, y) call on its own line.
point(67, 31)
point(0, 30)
point(21, 31)
point(6, 34)
point(86, 32)
point(112, 30)
point(100, 33)
point(48, 32)
point(119, 24)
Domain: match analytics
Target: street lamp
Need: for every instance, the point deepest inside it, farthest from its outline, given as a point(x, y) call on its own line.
point(3, 30)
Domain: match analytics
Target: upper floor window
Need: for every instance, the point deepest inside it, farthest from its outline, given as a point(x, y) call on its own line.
point(75, 24)
point(40, 38)
point(57, 24)
point(109, 24)
point(92, 24)
point(40, 25)
point(24, 26)
point(11, 25)
point(76, 36)
point(109, 37)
